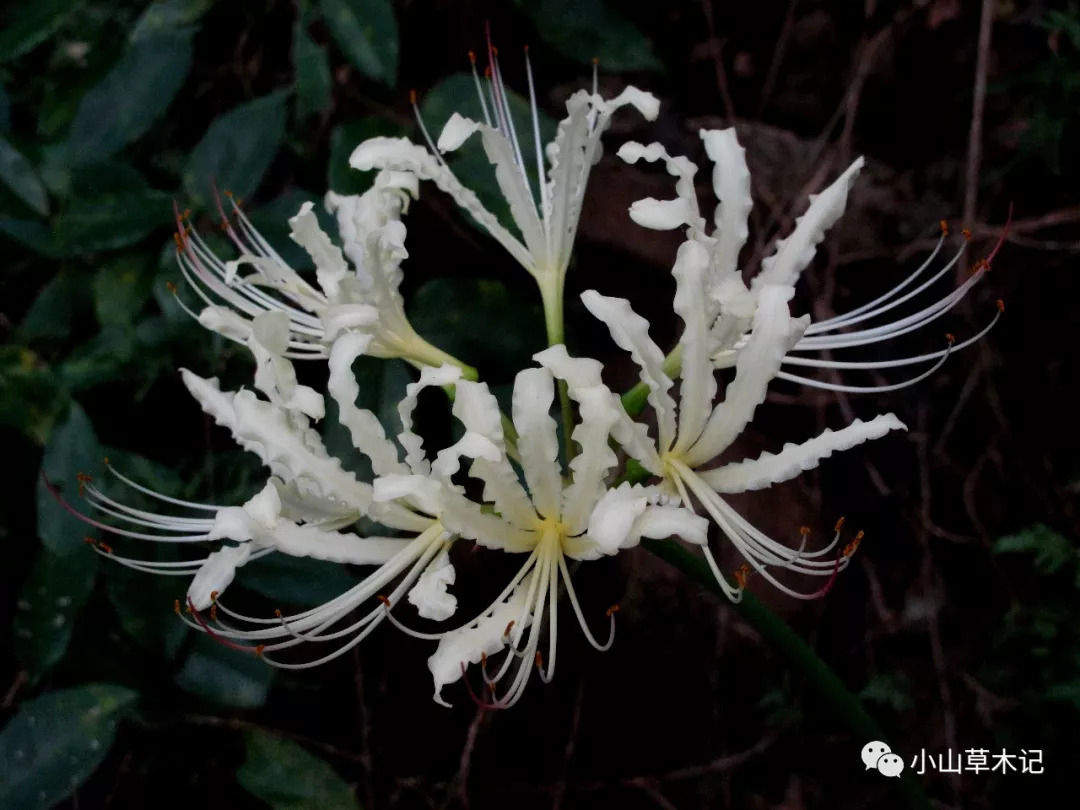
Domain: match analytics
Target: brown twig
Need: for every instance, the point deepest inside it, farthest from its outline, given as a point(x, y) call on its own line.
point(769, 84)
point(718, 62)
point(978, 105)
point(364, 722)
point(465, 763)
point(571, 742)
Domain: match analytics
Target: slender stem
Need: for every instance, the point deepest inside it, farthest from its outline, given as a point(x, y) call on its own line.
point(799, 654)
point(552, 295)
point(424, 354)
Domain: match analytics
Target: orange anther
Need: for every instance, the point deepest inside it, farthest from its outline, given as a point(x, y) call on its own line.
point(170, 287)
point(596, 60)
point(526, 50)
point(804, 530)
point(494, 51)
point(213, 612)
point(213, 596)
point(509, 627)
point(487, 71)
point(228, 194)
point(176, 606)
point(384, 599)
point(277, 612)
point(840, 524)
point(950, 338)
point(945, 227)
point(259, 649)
point(186, 214)
point(539, 660)
point(483, 655)
point(224, 224)
point(106, 460)
point(472, 57)
point(105, 547)
point(966, 233)
point(611, 611)
point(1000, 305)
point(741, 575)
point(412, 97)
point(90, 540)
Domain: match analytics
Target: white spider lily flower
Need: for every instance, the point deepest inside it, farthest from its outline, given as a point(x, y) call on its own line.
point(692, 435)
point(359, 295)
point(731, 303)
point(547, 519)
point(546, 217)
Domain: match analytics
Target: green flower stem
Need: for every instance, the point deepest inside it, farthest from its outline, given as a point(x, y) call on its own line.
point(552, 295)
point(800, 655)
point(635, 399)
point(424, 354)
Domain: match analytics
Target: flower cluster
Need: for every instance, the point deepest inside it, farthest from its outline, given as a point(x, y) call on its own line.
point(505, 484)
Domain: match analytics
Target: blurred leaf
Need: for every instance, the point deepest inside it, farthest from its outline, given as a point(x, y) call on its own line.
point(121, 287)
point(287, 777)
point(144, 604)
point(111, 221)
point(344, 139)
point(299, 581)
point(367, 32)
point(584, 30)
point(132, 96)
point(1052, 550)
point(30, 396)
point(52, 313)
point(168, 17)
point(29, 23)
point(888, 689)
point(32, 234)
point(5, 111)
point(225, 676)
point(237, 149)
point(18, 175)
point(457, 93)
point(479, 321)
point(56, 741)
point(313, 85)
point(49, 601)
point(72, 448)
point(98, 360)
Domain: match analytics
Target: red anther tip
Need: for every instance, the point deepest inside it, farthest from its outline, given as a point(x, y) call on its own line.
point(487, 71)
point(1000, 305)
point(105, 547)
point(90, 540)
point(611, 611)
point(840, 523)
point(966, 233)
point(176, 606)
point(259, 649)
point(804, 530)
point(494, 50)
point(170, 287)
point(596, 60)
point(277, 612)
point(412, 97)
point(526, 49)
point(509, 627)
point(384, 599)
point(472, 57)
point(945, 226)
point(106, 460)
point(950, 338)
point(228, 193)
point(213, 596)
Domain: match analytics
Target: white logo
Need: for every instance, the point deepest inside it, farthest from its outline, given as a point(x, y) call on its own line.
point(876, 754)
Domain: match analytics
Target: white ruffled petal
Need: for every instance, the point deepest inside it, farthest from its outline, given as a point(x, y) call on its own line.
point(669, 214)
point(661, 521)
point(631, 333)
point(460, 648)
point(591, 466)
point(275, 375)
point(367, 432)
point(772, 468)
point(612, 519)
point(430, 595)
point(226, 322)
point(774, 332)
point(731, 184)
point(413, 444)
point(455, 132)
point(698, 385)
point(216, 574)
point(330, 266)
point(794, 253)
point(538, 444)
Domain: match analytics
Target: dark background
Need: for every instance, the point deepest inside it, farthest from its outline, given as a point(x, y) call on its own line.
point(957, 624)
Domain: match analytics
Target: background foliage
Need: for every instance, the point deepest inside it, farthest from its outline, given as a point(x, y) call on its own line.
point(960, 627)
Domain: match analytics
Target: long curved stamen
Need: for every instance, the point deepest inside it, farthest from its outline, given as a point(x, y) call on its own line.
point(572, 595)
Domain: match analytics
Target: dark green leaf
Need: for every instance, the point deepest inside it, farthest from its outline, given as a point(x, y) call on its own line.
point(144, 603)
point(480, 322)
point(112, 220)
point(272, 221)
point(1051, 549)
point(287, 777)
point(237, 150)
point(225, 676)
point(98, 360)
point(121, 287)
point(584, 30)
point(167, 16)
point(29, 23)
point(131, 97)
point(343, 140)
point(30, 233)
point(30, 396)
point(18, 175)
point(56, 741)
point(52, 313)
point(367, 32)
point(313, 85)
point(5, 112)
point(297, 581)
point(49, 601)
point(72, 448)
